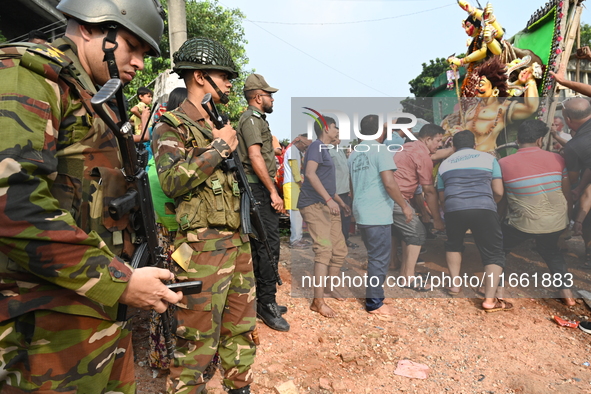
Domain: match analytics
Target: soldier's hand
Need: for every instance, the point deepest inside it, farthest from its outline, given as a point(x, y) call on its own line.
point(145, 290)
point(228, 134)
point(277, 202)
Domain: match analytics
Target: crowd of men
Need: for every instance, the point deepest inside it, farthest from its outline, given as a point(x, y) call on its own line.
point(64, 258)
point(526, 195)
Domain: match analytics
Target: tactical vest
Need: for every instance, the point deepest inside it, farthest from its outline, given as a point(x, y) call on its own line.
point(89, 162)
point(215, 203)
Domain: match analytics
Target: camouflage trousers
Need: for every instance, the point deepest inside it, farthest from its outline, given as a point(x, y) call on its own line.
point(218, 320)
point(50, 352)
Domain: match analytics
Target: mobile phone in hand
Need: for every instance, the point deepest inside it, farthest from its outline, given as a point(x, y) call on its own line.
point(188, 288)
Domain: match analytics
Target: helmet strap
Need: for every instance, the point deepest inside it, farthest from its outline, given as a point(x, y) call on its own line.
point(224, 99)
point(109, 46)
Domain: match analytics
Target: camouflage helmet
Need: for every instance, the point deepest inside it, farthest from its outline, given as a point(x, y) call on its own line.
point(203, 54)
point(144, 18)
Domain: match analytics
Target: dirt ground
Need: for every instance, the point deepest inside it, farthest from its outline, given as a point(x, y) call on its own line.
point(466, 349)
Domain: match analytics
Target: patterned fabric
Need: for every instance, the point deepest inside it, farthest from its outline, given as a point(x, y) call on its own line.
point(222, 317)
point(219, 319)
point(533, 183)
point(189, 169)
point(58, 244)
point(158, 354)
point(39, 353)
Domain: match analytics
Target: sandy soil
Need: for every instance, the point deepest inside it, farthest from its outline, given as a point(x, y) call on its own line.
point(466, 349)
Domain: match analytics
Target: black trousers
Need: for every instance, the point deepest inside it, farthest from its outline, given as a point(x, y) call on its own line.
point(486, 230)
point(263, 271)
point(546, 246)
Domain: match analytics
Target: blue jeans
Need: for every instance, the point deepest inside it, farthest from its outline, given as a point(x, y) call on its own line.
point(377, 240)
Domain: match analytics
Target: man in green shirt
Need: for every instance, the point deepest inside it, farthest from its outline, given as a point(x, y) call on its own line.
point(256, 152)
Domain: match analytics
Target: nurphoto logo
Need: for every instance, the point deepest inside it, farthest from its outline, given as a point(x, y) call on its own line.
point(344, 122)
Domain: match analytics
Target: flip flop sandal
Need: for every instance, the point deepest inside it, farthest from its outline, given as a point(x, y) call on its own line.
point(500, 306)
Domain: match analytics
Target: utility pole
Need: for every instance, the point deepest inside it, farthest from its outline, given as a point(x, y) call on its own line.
point(177, 25)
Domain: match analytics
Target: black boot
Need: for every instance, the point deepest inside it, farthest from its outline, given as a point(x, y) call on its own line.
point(271, 316)
point(282, 309)
point(243, 390)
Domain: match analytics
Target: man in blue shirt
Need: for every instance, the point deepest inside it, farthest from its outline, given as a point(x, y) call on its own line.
point(470, 184)
point(374, 192)
point(320, 207)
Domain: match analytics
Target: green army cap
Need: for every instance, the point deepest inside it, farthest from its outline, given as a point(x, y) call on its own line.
point(257, 82)
point(203, 54)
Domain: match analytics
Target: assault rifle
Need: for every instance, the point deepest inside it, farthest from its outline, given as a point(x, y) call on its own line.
point(250, 215)
point(138, 199)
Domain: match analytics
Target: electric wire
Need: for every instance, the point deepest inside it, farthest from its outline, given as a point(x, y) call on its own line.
point(256, 23)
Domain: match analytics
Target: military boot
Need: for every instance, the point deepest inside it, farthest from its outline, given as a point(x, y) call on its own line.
point(270, 314)
point(243, 390)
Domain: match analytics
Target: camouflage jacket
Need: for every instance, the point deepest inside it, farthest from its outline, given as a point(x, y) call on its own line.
point(188, 162)
point(58, 168)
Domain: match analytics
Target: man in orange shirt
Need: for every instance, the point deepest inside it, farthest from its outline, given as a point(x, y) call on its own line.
point(415, 168)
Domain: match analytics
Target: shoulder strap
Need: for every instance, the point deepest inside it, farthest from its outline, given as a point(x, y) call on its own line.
point(176, 118)
point(45, 60)
point(171, 119)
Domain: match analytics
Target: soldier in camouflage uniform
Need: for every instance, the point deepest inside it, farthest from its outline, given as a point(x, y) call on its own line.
point(62, 258)
point(210, 247)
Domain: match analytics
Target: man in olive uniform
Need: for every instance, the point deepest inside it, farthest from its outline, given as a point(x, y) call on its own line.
point(63, 269)
point(258, 157)
point(189, 155)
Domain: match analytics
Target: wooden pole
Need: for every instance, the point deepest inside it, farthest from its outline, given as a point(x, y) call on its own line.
point(578, 73)
point(456, 71)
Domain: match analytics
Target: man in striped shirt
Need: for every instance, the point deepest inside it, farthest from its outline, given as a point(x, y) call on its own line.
point(539, 200)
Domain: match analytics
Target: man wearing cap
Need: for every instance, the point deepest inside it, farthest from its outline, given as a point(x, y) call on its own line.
point(63, 262)
point(255, 149)
point(189, 154)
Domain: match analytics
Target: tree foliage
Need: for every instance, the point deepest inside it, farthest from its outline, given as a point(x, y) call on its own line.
point(204, 19)
point(420, 105)
point(585, 35)
point(423, 83)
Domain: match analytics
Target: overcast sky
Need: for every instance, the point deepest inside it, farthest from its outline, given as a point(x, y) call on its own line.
point(355, 48)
